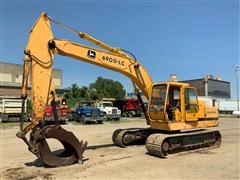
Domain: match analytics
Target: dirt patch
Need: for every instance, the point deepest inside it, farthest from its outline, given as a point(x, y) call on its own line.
point(20, 173)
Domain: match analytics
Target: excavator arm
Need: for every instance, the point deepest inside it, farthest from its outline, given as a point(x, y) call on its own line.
point(38, 62)
point(127, 66)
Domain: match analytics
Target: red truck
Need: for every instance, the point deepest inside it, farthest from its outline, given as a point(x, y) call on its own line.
point(129, 107)
point(62, 115)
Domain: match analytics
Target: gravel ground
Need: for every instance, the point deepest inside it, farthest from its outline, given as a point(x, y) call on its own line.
point(105, 161)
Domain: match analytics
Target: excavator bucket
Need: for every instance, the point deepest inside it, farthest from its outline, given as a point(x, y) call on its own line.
point(73, 148)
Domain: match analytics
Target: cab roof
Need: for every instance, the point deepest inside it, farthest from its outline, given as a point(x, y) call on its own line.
point(174, 83)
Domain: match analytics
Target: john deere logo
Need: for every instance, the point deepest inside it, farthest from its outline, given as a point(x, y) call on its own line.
point(91, 54)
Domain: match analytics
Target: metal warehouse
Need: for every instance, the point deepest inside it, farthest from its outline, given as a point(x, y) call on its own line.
point(210, 86)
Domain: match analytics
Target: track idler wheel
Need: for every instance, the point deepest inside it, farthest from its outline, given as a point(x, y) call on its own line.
point(73, 148)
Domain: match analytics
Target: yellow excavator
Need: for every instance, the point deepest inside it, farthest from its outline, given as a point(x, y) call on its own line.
point(176, 119)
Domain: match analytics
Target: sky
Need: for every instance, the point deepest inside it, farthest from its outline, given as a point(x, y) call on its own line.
point(191, 39)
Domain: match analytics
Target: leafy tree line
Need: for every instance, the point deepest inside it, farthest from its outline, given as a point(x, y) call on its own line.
point(101, 88)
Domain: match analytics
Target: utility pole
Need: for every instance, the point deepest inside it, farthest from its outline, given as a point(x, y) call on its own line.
point(237, 71)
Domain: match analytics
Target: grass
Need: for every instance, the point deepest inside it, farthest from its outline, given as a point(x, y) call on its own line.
point(8, 125)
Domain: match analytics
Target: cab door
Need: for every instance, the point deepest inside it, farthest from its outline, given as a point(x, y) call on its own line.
point(191, 104)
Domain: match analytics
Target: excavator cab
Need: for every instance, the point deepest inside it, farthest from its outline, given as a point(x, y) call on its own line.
point(166, 102)
point(173, 102)
point(174, 106)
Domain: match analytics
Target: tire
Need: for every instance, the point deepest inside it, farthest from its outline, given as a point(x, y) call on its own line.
point(130, 114)
point(82, 119)
point(138, 113)
point(124, 114)
point(99, 122)
point(63, 122)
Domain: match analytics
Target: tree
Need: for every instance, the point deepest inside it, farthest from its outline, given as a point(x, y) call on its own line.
point(106, 88)
point(101, 88)
point(77, 94)
point(84, 93)
point(73, 96)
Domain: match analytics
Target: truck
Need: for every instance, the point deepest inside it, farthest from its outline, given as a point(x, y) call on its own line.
point(10, 108)
point(62, 104)
point(111, 112)
point(86, 113)
point(61, 112)
point(224, 106)
point(129, 107)
point(227, 106)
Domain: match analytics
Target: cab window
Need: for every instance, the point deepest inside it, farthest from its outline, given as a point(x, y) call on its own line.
point(158, 98)
point(191, 102)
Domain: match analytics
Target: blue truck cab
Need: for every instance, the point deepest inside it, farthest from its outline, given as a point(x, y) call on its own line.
point(86, 113)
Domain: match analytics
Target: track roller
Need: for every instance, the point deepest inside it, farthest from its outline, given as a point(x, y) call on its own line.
point(131, 136)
